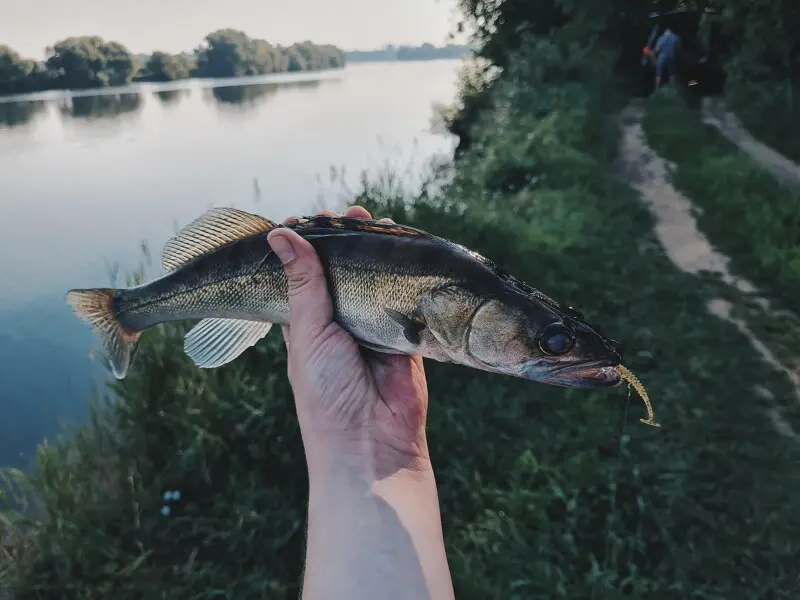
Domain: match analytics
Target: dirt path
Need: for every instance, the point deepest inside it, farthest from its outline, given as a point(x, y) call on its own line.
point(686, 245)
point(783, 169)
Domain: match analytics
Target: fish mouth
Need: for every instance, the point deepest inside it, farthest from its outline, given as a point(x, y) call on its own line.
point(589, 375)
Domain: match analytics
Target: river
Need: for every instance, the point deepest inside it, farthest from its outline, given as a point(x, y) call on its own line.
point(86, 178)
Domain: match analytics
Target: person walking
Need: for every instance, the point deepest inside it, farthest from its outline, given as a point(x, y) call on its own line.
point(665, 51)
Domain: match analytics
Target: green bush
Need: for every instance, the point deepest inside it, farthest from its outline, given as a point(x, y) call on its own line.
point(745, 211)
point(759, 44)
point(545, 492)
point(769, 106)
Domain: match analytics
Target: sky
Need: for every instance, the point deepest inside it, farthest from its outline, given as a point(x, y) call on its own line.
point(178, 25)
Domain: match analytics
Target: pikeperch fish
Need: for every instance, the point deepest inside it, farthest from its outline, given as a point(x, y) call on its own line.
point(395, 289)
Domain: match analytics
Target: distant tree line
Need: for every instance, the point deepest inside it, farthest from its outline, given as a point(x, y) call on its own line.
point(424, 52)
point(86, 62)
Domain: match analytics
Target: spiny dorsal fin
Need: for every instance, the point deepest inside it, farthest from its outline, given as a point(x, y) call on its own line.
point(215, 228)
point(319, 224)
point(214, 342)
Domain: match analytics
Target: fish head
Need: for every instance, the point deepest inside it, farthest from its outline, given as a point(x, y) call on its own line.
point(537, 339)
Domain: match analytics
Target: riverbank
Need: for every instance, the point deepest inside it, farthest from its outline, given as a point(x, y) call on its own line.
point(545, 492)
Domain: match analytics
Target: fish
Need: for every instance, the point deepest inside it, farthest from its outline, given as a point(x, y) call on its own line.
point(395, 289)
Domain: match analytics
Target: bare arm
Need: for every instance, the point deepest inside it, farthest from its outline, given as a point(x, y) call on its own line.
point(375, 538)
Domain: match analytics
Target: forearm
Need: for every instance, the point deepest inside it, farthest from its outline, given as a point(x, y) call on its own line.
point(371, 537)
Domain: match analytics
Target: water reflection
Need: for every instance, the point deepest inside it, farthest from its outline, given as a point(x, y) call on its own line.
point(171, 97)
point(13, 114)
point(247, 97)
point(103, 106)
point(243, 96)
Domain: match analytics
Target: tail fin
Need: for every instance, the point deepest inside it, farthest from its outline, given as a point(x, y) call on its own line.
point(96, 307)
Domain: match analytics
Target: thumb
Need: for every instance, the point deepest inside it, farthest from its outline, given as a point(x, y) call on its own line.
point(310, 305)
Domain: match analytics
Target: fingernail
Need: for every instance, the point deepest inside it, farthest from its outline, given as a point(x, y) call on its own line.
point(283, 248)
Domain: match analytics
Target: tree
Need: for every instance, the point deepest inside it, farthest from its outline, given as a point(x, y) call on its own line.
point(14, 71)
point(90, 61)
point(231, 53)
point(224, 54)
point(162, 66)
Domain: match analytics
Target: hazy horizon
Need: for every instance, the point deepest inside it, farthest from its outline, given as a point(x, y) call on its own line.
point(180, 25)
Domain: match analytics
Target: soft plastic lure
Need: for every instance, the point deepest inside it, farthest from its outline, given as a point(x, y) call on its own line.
point(637, 385)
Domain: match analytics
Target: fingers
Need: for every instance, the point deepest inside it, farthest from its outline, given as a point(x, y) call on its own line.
point(358, 212)
point(310, 306)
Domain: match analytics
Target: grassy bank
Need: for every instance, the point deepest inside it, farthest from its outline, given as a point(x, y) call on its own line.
point(760, 88)
point(545, 492)
point(745, 211)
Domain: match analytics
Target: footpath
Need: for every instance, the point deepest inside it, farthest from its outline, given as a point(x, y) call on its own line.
point(688, 247)
point(782, 168)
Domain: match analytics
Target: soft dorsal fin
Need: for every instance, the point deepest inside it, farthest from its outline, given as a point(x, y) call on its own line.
point(215, 228)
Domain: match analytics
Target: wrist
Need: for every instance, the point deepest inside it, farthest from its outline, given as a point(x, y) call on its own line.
point(367, 533)
point(359, 457)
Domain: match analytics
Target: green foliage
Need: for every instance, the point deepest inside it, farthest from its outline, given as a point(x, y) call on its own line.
point(542, 495)
point(576, 29)
point(763, 85)
point(501, 26)
point(162, 66)
point(102, 490)
point(90, 61)
point(14, 69)
point(231, 53)
point(744, 209)
point(757, 43)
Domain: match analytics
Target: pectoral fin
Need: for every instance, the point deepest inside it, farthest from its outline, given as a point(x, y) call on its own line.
point(413, 325)
point(381, 349)
point(214, 342)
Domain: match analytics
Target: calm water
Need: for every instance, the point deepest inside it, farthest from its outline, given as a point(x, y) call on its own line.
point(86, 178)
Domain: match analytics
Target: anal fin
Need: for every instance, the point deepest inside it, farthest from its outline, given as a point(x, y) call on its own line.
point(214, 342)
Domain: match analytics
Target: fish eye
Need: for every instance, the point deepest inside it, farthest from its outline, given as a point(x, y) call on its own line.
point(556, 339)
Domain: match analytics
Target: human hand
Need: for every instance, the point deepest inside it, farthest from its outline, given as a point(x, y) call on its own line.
point(352, 403)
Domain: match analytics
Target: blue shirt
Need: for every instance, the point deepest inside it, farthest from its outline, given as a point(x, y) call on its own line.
point(666, 44)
